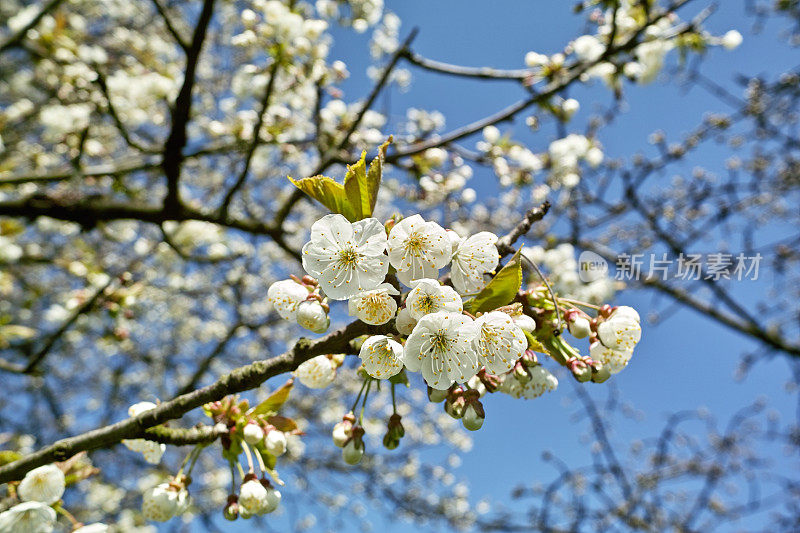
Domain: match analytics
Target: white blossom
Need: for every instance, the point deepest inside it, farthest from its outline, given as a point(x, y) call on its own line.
point(614, 360)
point(731, 40)
point(316, 373)
point(541, 381)
point(375, 306)
point(418, 249)
point(285, 296)
point(381, 356)
point(405, 322)
point(253, 434)
point(346, 258)
point(252, 496)
point(429, 296)
point(44, 484)
point(441, 348)
point(472, 258)
point(312, 316)
point(152, 451)
point(498, 341)
point(621, 330)
point(275, 442)
point(164, 501)
point(28, 517)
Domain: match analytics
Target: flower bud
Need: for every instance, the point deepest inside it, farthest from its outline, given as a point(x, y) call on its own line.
point(600, 372)
point(525, 323)
point(312, 316)
point(353, 451)
point(529, 359)
point(275, 442)
point(521, 373)
point(454, 406)
point(580, 370)
point(579, 326)
point(252, 496)
point(490, 381)
point(473, 416)
point(436, 395)
point(253, 434)
point(341, 433)
point(231, 511)
point(273, 497)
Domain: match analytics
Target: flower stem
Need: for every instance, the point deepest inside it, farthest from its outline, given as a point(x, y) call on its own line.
point(260, 460)
point(249, 456)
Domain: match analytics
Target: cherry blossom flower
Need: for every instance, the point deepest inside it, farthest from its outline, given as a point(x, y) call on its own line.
point(498, 341)
point(621, 330)
point(275, 442)
point(316, 373)
point(418, 249)
point(541, 381)
point(614, 360)
point(152, 451)
point(430, 296)
point(375, 306)
point(253, 434)
point(164, 501)
point(472, 258)
point(381, 356)
point(312, 316)
point(252, 496)
point(272, 501)
point(346, 258)
point(28, 517)
point(441, 348)
point(285, 296)
point(404, 322)
point(44, 484)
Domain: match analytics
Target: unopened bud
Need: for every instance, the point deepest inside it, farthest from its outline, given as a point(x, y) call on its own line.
point(436, 395)
point(580, 370)
point(455, 405)
point(341, 433)
point(231, 511)
point(253, 434)
point(579, 326)
point(521, 373)
point(353, 451)
point(600, 372)
point(529, 359)
point(473, 416)
point(490, 381)
point(312, 316)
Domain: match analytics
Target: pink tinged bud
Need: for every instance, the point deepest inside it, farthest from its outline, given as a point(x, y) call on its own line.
point(253, 434)
point(231, 511)
point(579, 326)
point(521, 373)
point(529, 359)
point(342, 433)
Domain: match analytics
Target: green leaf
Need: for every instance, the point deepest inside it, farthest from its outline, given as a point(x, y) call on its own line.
point(534, 344)
point(501, 290)
point(282, 423)
point(273, 403)
point(357, 197)
point(328, 192)
point(356, 188)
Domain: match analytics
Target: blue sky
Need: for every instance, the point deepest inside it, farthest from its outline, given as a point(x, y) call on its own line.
point(686, 361)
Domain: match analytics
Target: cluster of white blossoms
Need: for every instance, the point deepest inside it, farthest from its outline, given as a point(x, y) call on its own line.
point(39, 490)
point(563, 268)
point(300, 301)
point(616, 338)
point(645, 61)
point(514, 164)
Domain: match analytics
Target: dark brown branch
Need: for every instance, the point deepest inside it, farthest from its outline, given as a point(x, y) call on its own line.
point(242, 379)
point(173, 148)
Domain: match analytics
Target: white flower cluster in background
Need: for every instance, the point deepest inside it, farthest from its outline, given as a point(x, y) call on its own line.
point(515, 164)
point(562, 266)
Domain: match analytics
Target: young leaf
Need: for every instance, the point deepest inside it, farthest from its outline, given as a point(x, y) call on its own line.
point(501, 290)
point(273, 403)
point(329, 193)
point(282, 423)
point(355, 188)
